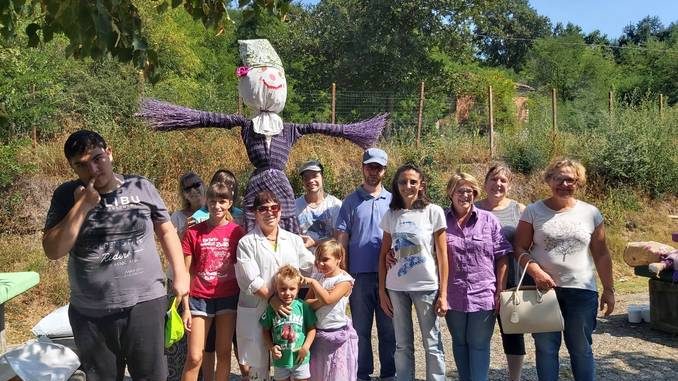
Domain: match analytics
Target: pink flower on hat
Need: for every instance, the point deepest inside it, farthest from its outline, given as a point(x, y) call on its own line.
point(242, 71)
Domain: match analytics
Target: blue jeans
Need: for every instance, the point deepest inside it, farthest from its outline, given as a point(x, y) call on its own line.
point(424, 305)
point(579, 308)
point(364, 301)
point(471, 334)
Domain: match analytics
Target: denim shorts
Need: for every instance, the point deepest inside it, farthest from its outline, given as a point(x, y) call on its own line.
point(299, 372)
point(213, 307)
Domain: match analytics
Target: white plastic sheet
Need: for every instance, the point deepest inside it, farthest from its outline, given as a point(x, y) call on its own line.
point(39, 361)
point(56, 324)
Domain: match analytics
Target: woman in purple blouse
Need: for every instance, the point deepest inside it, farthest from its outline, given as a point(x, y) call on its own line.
point(477, 261)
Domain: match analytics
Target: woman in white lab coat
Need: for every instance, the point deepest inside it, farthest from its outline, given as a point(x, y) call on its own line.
point(261, 252)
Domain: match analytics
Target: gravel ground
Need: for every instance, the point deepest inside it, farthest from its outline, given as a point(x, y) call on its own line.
point(623, 351)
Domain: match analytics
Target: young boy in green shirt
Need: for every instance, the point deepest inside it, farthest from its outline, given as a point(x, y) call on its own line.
point(289, 338)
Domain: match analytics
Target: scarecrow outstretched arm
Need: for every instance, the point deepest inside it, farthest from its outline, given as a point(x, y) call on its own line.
point(163, 116)
point(364, 133)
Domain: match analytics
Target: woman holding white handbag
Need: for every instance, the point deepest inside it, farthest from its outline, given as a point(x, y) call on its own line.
point(566, 237)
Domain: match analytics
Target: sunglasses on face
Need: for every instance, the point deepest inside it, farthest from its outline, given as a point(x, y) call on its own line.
point(275, 208)
point(565, 180)
point(188, 188)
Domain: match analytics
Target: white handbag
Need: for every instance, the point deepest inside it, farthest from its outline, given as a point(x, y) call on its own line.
point(528, 310)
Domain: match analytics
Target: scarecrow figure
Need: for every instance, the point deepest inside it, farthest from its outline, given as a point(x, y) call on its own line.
point(268, 140)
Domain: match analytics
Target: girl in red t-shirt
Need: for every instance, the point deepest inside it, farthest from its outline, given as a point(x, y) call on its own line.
point(210, 254)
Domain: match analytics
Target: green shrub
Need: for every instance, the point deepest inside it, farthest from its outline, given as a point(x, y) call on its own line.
point(617, 203)
point(11, 166)
point(638, 148)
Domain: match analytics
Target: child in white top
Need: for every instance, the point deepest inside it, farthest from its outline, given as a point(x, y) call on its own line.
point(335, 349)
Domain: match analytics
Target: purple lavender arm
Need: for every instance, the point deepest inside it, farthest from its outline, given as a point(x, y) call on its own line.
point(364, 133)
point(164, 116)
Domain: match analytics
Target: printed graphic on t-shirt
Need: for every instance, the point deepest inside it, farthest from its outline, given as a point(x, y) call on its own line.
point(214, 252)
point(408, 249)
point(318, 226)
point(114, 235)
point(565, 237)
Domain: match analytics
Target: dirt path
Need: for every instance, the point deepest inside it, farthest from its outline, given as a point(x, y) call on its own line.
point(623, 351)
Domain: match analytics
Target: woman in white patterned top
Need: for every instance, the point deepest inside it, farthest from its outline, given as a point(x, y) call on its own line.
point(565, 238)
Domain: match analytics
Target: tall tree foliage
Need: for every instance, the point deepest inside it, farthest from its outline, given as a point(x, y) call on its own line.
point(648, 57)
point(113, 27)
point(505, 30)
point(566, 63)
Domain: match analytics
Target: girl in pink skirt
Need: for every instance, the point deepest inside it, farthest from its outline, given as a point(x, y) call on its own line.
point(335, 348)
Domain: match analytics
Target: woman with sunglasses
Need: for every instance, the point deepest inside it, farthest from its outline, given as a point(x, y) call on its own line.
point(561, 240)
point(192, 194)
point(261, 252)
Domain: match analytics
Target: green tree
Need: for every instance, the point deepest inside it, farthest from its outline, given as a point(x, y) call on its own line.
point(113, 27)
point(648, 57)
point(566, 63)
point(640, 33)
point(505, 31)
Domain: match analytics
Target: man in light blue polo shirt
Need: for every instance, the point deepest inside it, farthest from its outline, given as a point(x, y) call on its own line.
point(358, 230)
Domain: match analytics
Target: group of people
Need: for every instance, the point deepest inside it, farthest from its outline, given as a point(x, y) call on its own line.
point(281, 297)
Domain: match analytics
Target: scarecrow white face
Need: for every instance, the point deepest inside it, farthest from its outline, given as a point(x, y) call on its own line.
point(262, 85)
point(263, 88)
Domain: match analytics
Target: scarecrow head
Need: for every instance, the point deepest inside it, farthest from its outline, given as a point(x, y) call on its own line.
point(262, 84)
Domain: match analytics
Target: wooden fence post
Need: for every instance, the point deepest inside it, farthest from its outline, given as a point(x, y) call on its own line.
point(34, 135)
point(609, 103)
point(554, 111)
point(661, 105)
point(334, 102)
point(421, 112)
point(491, 120)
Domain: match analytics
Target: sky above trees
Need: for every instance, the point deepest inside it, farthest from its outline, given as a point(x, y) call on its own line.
point(608, 16)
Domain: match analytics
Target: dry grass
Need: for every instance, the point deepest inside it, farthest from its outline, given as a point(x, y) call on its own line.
point(164, 157)
point(24, 253)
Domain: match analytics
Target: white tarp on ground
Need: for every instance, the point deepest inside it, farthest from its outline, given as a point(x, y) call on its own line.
point(39, 361)
point(55, 324)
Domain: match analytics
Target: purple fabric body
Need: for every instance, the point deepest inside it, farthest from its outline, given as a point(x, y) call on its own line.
point(472, 251)
point(671, 261)
point(269, 162)
point(334, 354)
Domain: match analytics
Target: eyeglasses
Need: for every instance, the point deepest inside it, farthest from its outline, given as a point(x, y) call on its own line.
point(566, 180)
point(188, 188)
point(463, 191)
point(275, 208)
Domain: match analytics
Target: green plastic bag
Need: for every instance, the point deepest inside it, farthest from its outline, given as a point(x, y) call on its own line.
point(174, 326)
